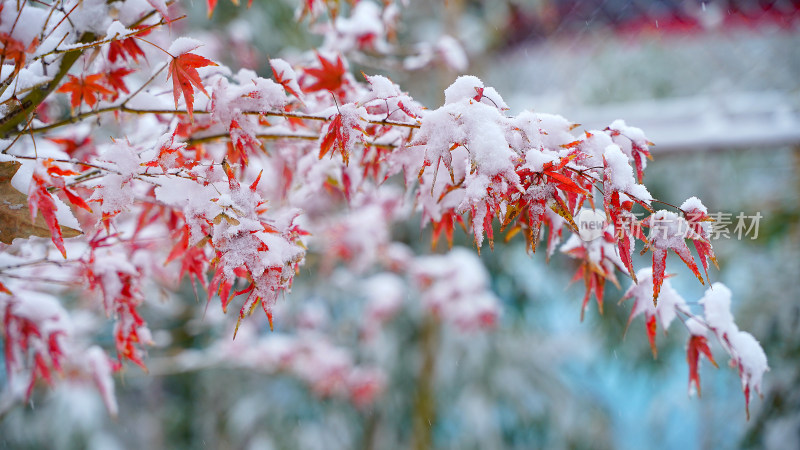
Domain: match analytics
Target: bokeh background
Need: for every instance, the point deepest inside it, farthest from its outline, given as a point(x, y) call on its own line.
point(714, 84)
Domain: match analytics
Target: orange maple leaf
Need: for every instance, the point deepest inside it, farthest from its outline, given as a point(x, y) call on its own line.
point(183, 70)
point(85, 89)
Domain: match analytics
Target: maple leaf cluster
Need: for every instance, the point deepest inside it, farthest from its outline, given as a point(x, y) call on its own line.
point(238, 181)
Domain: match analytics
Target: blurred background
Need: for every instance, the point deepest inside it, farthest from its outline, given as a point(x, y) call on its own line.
point(715, 85)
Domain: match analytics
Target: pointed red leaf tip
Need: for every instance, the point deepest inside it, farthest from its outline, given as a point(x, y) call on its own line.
point(84, 89)
point(183, 70)
point(697, 345)
point(114, 79)
point(650, 324)
point(123, 48)
point(285, 76)
point(255, 183)
point(330, 76)
point(446, 224)
point(669, 232)
point(39, 200)
point(338, 139)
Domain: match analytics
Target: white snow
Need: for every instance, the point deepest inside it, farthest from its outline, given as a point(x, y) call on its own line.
point(619, 174)
point(183, 45)
point(750, 358)
point(669, 301)
point(717, 310)
point(693, 204)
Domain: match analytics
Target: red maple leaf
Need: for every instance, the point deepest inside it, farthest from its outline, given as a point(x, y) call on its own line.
point(170, 155)
point(337, 138)
point(330, 76)
point(288, 83)
point(695, 217)
point(76, 147)
point(39, 200)
point(114, 79)
point(242, 143)
point(183, 70)
point(85, 89)
point(123, 48)
point(446, 224)
point(56, 174)
point(697, 344)
point(668, 232)
point(596, 266)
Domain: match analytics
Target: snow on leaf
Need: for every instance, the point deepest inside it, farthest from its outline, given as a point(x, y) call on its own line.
point(669, 304)
point(14, 50)
point(599, 261)
point(342, 130)
point(716, 304)
point(633, 143)
point(668, 231)
point(699, 221)
point(286, 77)
point(183, 70)
point(751, 362)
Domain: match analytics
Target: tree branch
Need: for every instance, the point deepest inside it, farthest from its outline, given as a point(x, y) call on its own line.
point(30, 102)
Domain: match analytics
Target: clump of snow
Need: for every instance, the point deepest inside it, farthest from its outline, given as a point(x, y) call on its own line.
point(116, 29)
point(464, 87)
point(631, 135)
point(619, 174)
point(28, 26)
point(668, 230)
point(250, 93)
point(123, 163)
point(91, 15)
point(750, 358)
point(696, 327)
point(286, 73)
point(717, 310)
point(670, 303)
point(746, 353)
point(183, 45)
point(380, 88)
point(693, 204)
